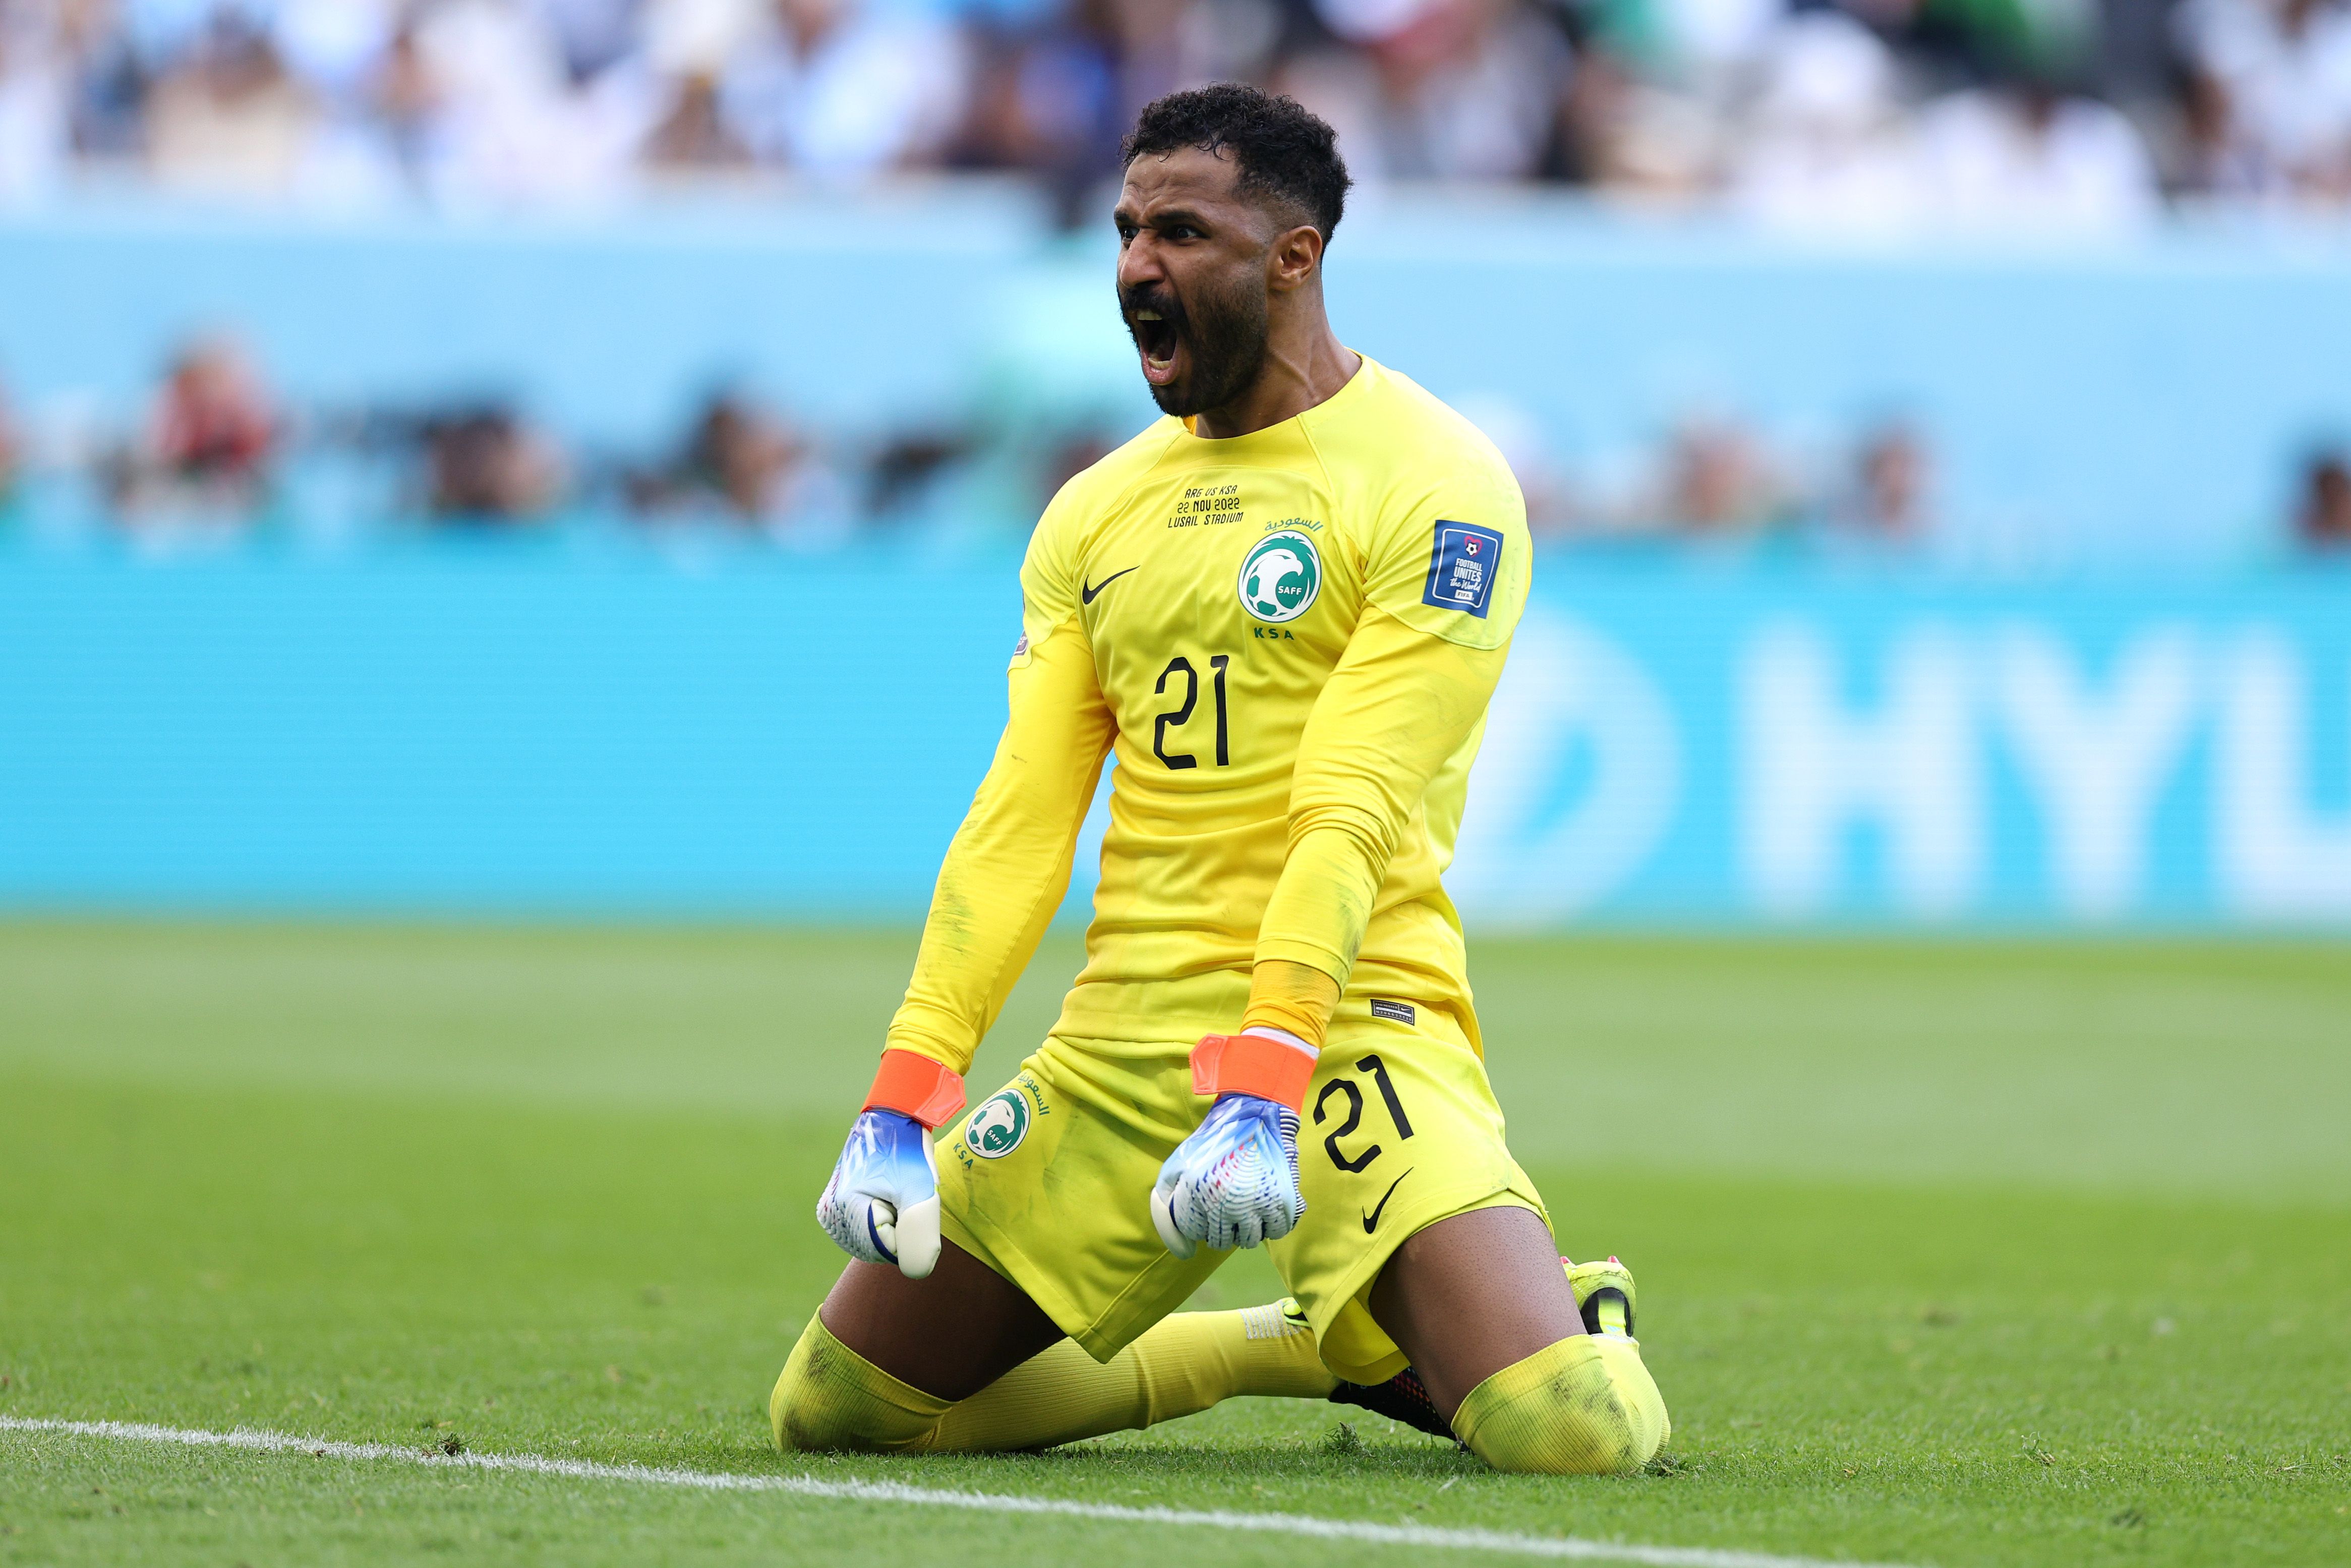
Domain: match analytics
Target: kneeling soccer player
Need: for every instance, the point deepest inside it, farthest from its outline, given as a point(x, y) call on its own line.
point(1284, 608)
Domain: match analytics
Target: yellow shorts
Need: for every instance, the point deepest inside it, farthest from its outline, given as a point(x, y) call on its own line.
point(1048, 1180)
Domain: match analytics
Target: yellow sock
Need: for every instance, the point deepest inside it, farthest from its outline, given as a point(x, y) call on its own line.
point(1183, 1365)
point(1585, 1405)
point(829, 1397)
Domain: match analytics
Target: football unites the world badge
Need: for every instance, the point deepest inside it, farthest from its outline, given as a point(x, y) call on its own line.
point(996, 1128)
point(1280, 576)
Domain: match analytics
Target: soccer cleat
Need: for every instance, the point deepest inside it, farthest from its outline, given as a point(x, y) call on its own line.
point(1605, 1298)
point(1403, 1398)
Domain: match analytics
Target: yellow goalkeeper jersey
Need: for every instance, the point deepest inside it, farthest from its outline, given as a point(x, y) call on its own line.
point(1287, 640)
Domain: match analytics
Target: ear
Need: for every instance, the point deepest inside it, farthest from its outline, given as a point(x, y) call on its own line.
point(1294, 259)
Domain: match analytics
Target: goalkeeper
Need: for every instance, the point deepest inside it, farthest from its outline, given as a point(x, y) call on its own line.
point(1282, 608)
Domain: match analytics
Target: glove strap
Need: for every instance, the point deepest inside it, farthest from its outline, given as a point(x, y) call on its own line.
point(914, 1085)
point(1252, 1064)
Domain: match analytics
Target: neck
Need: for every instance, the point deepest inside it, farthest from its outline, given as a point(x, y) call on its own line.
point(1301, 369)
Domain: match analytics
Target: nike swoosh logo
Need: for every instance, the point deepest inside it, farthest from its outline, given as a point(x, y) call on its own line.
point(1372, 1220)
point(1106, 582)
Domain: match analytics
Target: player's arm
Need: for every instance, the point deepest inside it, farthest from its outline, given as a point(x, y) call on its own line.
point(1009, 866)
point(1445, 576)
point(1401, 703)
point(1003, 879)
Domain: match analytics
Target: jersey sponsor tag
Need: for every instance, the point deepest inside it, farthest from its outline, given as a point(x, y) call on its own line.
point(1394, 1012)
point(1462, 569)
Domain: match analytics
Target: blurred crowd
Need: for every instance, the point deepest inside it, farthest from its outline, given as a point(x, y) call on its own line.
point(2066, 114)
point(217, 458)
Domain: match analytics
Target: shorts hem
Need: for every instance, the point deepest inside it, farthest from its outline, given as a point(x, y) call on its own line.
point(1357, 1278)
point(1103, 1336)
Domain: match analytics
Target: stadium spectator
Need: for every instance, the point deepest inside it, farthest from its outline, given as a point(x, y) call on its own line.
point(1873, 115)
point(2323, 520)
point(403, 101)
point(228, 117)
point(845, 89)
point(1828, 145)
point(2270, 104)
point(205, 456)
point(33, 141)
point(105, 79)
point(739, 462)
point(503, 119)
point(1891, 480)
point(483, 465)
point(1718, 481)
point(2031, 158)
point(693, 134)
point(1450, 90)
point(1628, 136)
point(1043, 98)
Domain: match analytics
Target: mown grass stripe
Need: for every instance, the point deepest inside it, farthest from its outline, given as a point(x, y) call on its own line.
point(1298, 1525)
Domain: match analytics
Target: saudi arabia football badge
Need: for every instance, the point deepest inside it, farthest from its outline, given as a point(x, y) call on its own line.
point(1280, 576)
point(996, 1128)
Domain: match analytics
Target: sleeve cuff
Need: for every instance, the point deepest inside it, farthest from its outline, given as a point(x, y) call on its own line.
point(1252, 1064)
point(1311, 954)
point(916, 1086)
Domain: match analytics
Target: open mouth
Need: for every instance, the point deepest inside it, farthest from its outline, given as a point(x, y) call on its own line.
point(1159, 338)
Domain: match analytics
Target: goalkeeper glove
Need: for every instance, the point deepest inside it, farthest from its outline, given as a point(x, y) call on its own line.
point(882, 1205)
point(1234, 1182)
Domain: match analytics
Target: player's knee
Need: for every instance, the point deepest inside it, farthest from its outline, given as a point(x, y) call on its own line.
point(1585, 1405)
point(830, 1399)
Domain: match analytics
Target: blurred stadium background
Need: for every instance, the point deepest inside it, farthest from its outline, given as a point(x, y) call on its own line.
point(499, 496)
point(569, 456)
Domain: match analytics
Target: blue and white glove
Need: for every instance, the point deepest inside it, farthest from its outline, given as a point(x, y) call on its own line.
point(882, 1205)
point(1234, 1182)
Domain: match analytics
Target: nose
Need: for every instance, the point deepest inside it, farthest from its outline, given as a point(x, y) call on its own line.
point(1140, 263)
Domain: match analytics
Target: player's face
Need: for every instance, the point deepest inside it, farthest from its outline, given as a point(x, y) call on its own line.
point(1192, 279)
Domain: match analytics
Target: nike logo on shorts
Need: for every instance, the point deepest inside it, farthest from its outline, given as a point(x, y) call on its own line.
point(1372, 1220)
point(1089, 592)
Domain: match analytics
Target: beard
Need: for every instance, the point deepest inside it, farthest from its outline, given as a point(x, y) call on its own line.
point(1224, 335)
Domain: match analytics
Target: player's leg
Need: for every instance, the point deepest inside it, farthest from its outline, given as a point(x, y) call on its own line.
point(1184, 1363)
point(1604, 1297)
point(883, 1379)
point(1481, 1305)
point(1425, 1247)
point(885, 1356)
point(968, 1358)
point(1467, 1296)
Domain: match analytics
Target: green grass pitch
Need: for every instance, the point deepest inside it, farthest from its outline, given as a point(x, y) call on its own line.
point(1950, 1253)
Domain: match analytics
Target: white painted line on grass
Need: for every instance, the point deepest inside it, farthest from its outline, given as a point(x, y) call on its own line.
point(930, 1497)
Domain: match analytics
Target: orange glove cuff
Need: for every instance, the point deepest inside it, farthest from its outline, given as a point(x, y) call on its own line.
point(914, 1085)
point(1252, 1064)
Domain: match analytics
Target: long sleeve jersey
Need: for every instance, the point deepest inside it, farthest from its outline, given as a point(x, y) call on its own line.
point(1288, 641)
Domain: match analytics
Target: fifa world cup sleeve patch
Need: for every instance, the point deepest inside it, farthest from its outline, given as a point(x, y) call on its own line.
point(1462, 567)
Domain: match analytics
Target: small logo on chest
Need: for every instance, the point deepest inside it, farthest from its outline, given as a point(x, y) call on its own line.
point(1086, 591)
point(1280, 576)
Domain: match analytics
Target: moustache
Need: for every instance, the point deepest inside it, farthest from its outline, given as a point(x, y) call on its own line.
point(1150, 296)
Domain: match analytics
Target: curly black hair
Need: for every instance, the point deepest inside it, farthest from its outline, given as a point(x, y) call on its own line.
point(1283, 150)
